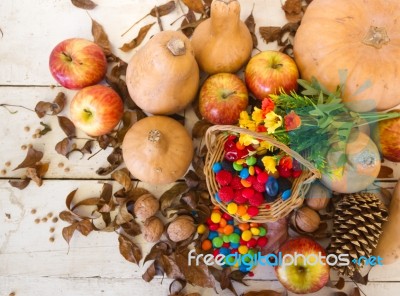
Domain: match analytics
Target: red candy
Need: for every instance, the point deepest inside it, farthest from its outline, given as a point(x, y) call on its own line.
point(209, 221)
point(258, 186)
point(216, 252)
point(226, 245)
point(296, 174)
point(252, 243)
point(262, 177)
point(239, 198)
point(236, 183)
point(252, 211)
point(284, 171)
point(213, 226)
point(256, 200)
point(251, 179)
point(226, 194)
point(223, 177)
point(234, 251)
point(262, 241)
point(229, 144)
point(227, 217)
point(242, 242)
point(248, 193)
point(258, 170)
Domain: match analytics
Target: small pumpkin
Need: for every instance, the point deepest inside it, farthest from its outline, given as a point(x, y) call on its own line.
point(157, 150)
point(223, 42)
point(358, 36)
point(361, 168)
point(163, 76)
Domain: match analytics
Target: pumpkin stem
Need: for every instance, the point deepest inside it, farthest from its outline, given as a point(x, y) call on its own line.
point(376, 37)
point(154, 136)
point(176, 46)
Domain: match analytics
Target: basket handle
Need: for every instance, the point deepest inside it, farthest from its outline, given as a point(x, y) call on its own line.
point(232, 128)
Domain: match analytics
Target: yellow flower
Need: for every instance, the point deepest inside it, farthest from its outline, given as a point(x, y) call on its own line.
point(264, 147)
point(257, 115)
point(269, 163)
point(246, 122)
point(272, 121)
point(247, 140)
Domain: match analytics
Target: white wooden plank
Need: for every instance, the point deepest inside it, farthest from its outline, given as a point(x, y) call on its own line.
point(29, 39)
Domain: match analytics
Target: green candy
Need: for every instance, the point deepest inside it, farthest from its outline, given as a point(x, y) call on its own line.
point(237, 167)
point(263, 231)
point(251, 252)
point(251, 160)
point(225, 238)
point(234, 238)
point(217, 242)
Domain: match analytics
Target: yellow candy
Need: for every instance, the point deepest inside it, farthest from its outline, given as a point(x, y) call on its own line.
point(251, 170)
point(232, 208)
point(246, 217)
point(243, 250)
point(246, 235)
point(216, 217)
point(201, 229)
point(255, 231)
point(240, 161)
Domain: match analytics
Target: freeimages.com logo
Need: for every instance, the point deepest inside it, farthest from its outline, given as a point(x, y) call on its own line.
point(249, 260)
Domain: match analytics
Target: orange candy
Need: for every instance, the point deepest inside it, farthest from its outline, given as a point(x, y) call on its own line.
point(228, 229)
point(245, 183)
point(222, 222)
point(253, 224)
point(242, 210)
point(244, 226)
point(240, 146)
point(206, 245)
point(220, 230)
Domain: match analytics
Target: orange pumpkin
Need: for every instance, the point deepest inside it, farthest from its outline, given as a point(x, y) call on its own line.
point(361, 37)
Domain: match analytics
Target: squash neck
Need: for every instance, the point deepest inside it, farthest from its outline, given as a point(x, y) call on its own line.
point(226, 18)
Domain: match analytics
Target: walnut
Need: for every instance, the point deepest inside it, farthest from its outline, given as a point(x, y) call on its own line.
point(307, 219)
point(318, 196)
point(181, 228)
point(153, 228)
point(146, 206)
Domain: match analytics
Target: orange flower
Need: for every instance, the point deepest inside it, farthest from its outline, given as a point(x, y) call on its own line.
point(267, 105)
point(292, 121)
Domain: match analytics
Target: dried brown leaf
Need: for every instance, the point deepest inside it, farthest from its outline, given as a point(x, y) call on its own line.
point(340, 283)
point(131, 228)
point(192, 24)
point(85, 227)
point(293, 10)
point(200, 128)
point(129, 250)
point(124, 215)
point(271, 33)
point(238, 276)
point(360, 279)
point(154, 269)
point(70, 198)
point(63, 147)
point(42, 108)
point(164, 9)
point(45, 130)
point(122, 196)
point(160, 248)
point(122, 176)
point(91, 201)
point(191, 199)
point(32, 157)
point(264, 293)
point(197, 275)
point(68, 232)
point(115, 159)
point(355, 292)
point(192, 179)
point(138, 39)
point(339, 294)
point(195, 5)
point(68, 217)
point(251, 25)
point(172, 196)
point(128, 119)
point(106, 193)
point(176, 287)
point(67, 126)
point(190, 17)
point(101, 39)
point(385, 172)
point(84, 4)
point(105, 141)
point(171, 268)
point(20, 184)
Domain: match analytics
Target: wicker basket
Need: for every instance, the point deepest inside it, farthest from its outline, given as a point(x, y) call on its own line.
point(215, 139)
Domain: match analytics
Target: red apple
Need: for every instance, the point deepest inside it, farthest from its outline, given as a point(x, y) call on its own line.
point(386, 135)
point(96, 110)
point(270, 71)
point(76, 63)
point(222, 97)
point(306, 274)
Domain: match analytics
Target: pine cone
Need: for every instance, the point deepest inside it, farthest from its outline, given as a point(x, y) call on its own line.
point(357, 225)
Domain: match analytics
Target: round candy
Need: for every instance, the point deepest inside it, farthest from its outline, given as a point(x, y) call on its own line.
point(242, 210)
point(235, 245)
point(263, 231)
point(271, 187)
point(246, 217)
point(225, 238)
point(251, 170)
point(217, 242)
point(212, 235)
point(240, 146)
point(223, 177)
point(248, 193)
point(224, 251)
point(246, 235)
point(234, 238)
point(252, 252)
point(217, 167)
point(237, 167)
point(227, 217)
point(213, 227)
point(234, 251)
point(201, 229)
point(216, 217)
point(251, 160)
point(220, 230)
point(245, 183)
point(229, 144)
point(226, 194)
point(244, 268)
point(253, 211)
point(286, 194)
point(262, 177)
point(255, 231)
point(217, 197)
point(222, 222)
point(206, 245)
point(228, 229)
point(237, 230)
point(244, 226)
point(242, 242)
point(226, 245)
point(262, 241)
point(253, 224)
point(227, 166)
point(232, 208)
point(244, 173)
point(216, 252)
point(243, 250)
point(231, 222)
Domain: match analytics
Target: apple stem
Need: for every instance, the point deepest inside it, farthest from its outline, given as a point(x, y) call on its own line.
point(88, 112)
point(67, 57)
point(276, 66)
point(226, 95)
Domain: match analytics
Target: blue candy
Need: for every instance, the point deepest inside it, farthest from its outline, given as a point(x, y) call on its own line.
point(217, 198)
point(286, 194)
point(212, 235)
point(237, 230)
point(235, 246)
point(271, 187)
point(231, 222)
point(224, 251)
point(217, 167)
point(244, 173)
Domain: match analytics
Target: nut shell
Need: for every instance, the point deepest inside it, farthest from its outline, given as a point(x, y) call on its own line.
point(307, 219)
point(146, 206)
point(181, 228)
point(153, 228)
point(318, 196)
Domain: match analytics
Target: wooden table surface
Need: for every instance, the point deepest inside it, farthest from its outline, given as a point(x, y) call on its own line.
point(30, 263)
